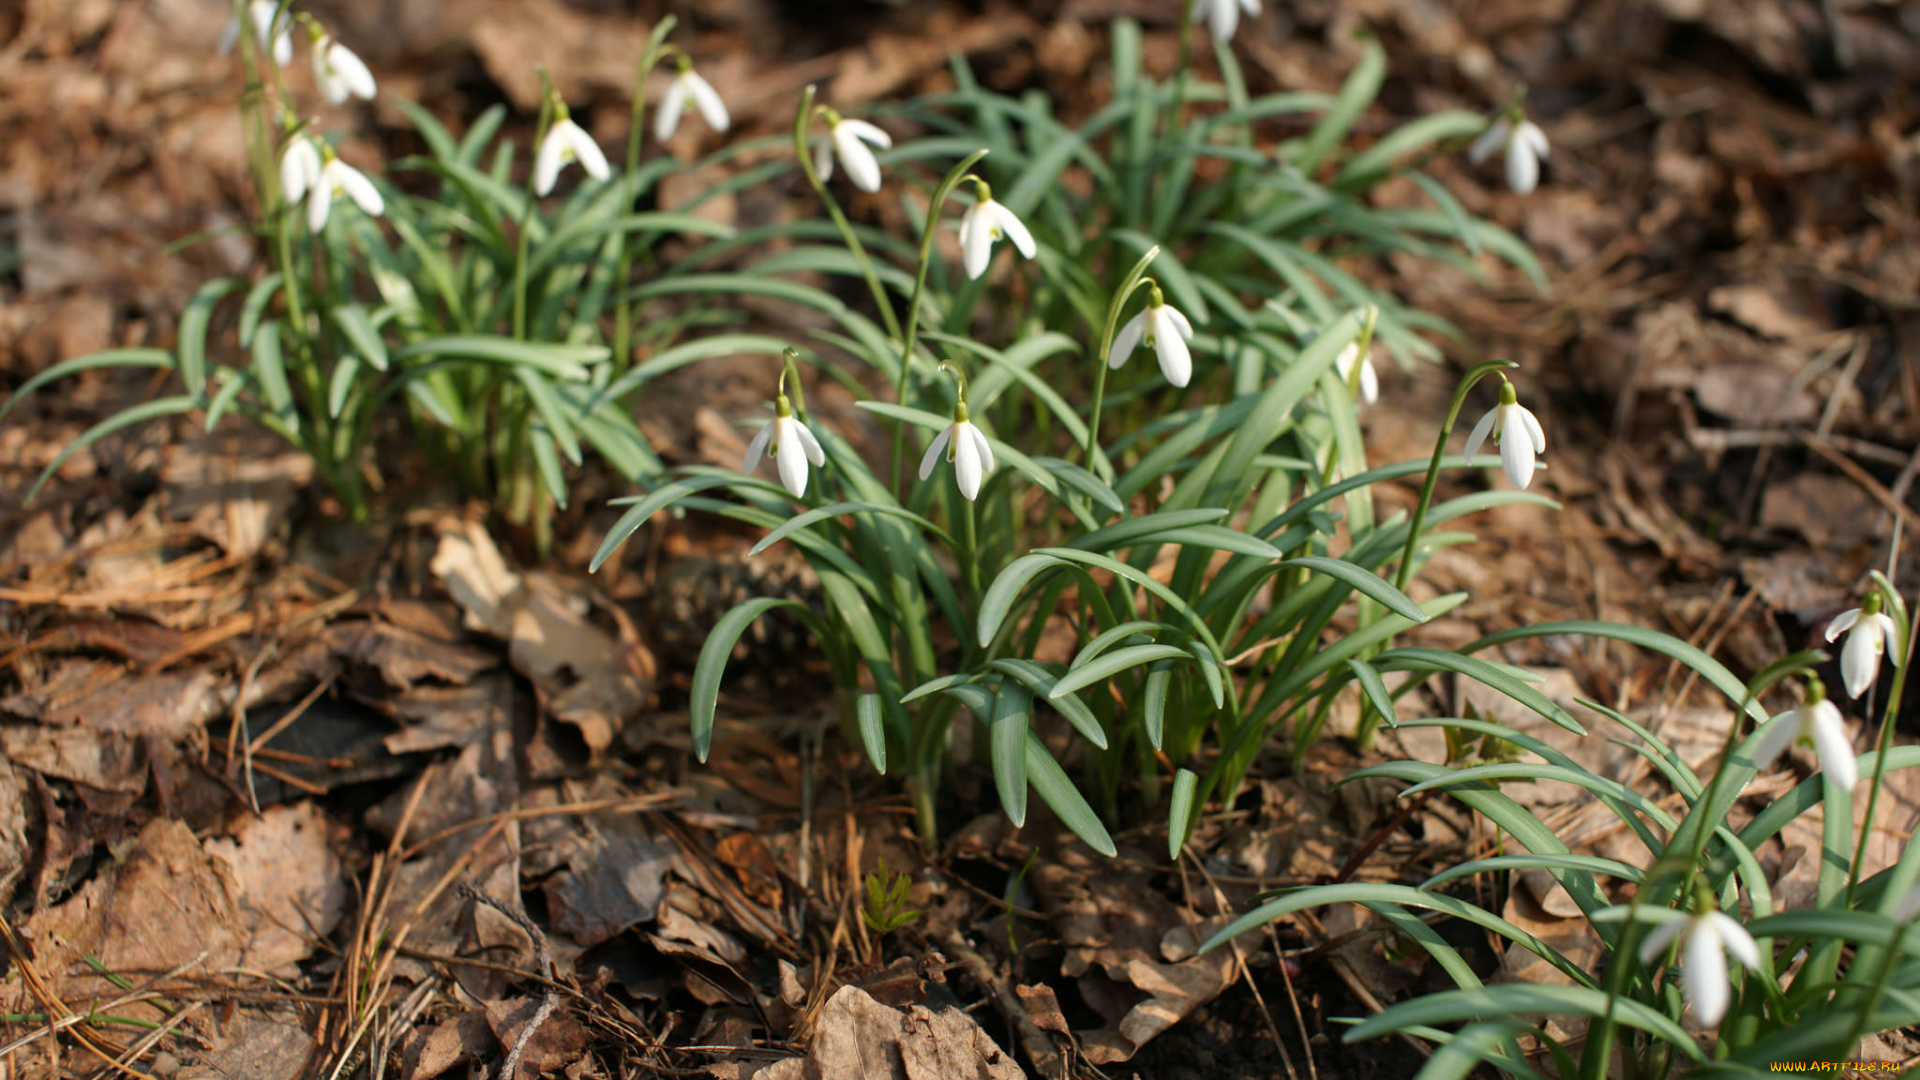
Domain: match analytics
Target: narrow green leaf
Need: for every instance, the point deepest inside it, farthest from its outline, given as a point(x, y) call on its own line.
point(1182, 812)
point(360, 334)
point(1050, 780)
point(1375, 689)
point(704, 697)
point(192, 346)
point(1368, 583)
point(873, 730)
point(146, 410)
point(1105, 667)
point(1007, 733)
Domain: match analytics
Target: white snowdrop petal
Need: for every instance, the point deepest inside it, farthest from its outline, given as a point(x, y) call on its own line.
point(757, 448)
point(860, 129)
point(299, 166)
point(712, 109)
point(1841, 623)
point(1831, 746)
point(350, 72)
point(551, 158)
point(1176, 362)
point(977, 245)
point(1489, 141)
point(1523, 168)
point(861, 167)
point(1481, 430)
point(1860, 660)
point(1128, 339)
point(966, 463)
point(985, 448)
point(1775, 738)
point(1534, 138)
point(814, 453)
point(1178, 321)
point(1736, 940)
point(588, 153)
point(791, 461)
point(932, 456)
point(672, 104)
point(1516, 456)
point(319, 202)
point(1532, 424)
point(1704, 973)
point(1015, 230)
point(823, 159)
point(1369, 382)
point(1887, 632)
point(1659, 939)
point(361, 190)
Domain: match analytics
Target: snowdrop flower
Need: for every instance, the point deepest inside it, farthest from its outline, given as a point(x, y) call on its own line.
point(566, 142)
point(847, 140)
point(986, 221)
point(1704, 939)
point(1164, 330)
point(338, 72)
point(299, 168)
point(793, 446)
point(1223, 16)
point(262, 12)
point(1526, 147)
point(1515, 428)
point(1860, 659)
point(688, 89)
point(1369, 379)
point(964, 445)
point(1816, 722)
point(338, 178)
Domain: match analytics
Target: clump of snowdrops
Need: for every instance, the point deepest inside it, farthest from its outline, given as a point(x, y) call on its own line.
point(1702, 971)
point(495, 316)
point(1122, 365)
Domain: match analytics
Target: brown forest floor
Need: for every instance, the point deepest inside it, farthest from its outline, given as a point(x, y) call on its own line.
point(320, 796)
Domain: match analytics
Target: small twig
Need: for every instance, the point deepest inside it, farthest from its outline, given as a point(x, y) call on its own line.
point(1039, 1046)
point(548, 1002)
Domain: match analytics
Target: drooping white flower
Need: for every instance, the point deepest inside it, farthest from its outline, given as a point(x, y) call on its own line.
point(339, 73)
point(1860, 659)
point(262, 12)
point(1162, 328)
point(689, 89)
point(792, 444)
point(1369, 379)
point(1515, 428)
point(1526, 148)
point(566, 142)
point(964, 445)
point(1818, 723)
point(847, 140)
point(1223, 16)
point(337, 178)
point(983, 223)
point(299, 168)
point(1704, 939)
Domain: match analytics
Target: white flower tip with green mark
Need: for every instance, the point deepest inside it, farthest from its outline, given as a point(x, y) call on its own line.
point(1166, 331)
point(982, 224)
point(1223, 16)
point(337, 178)
point(262, 12)
point(793, 448)
point(689, 89)
point(339, 73)
point(1518, 432)
point(1705, 940)
point(966, 446)
point(1818, 723)
point(1867, 637)
point(566, 141)
point(1526, 148)
point(1369, 379)
point(848, 140)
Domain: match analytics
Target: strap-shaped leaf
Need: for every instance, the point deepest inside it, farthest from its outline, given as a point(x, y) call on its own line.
point(359, 331)
point(146, 410)
point(1364, 581)
point(559, 361)
point(1182, 811)
point(1418, 659)
point(1375, 688)
point(820, 513)
point(194, 320)
point(1006, 590)
point(1111, 664)
point(111, 358)
point(704, 698)
point(1007, 737)
point(871, 717)
point(547, 404)
point(1041, 681)
point(1153, 709)
point(1050, 780)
